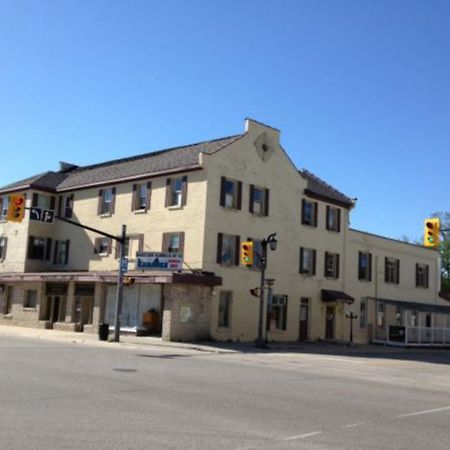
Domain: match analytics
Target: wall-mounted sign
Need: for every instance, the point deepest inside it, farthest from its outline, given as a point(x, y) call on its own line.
point(159, 261)
point(41, 215)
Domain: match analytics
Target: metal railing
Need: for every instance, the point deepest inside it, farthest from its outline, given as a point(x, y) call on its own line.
point(427, 336)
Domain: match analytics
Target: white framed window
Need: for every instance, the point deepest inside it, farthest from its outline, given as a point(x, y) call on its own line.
point(259, 201)
point(141, 196)
point(39, 248)
point(392, 270)
point(363, 313)
point(4, 204)
point(278, 312)
point(61, 255)
point(3, 242)
point(176, 191)
point(309, 213)
point(331, 265)
point(333, 218)
point(225, 301)
point(173, 242)
point(365, 266)
point(422, 275)
point(228, 249)
point(68, 206)
point(307, 261)
point(103, 246)
point(230, 193)
point(30, 299)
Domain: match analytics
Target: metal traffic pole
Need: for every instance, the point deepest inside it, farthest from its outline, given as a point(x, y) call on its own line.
point(119, 293)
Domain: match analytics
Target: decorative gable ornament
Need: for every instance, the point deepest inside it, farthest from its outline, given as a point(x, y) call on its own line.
point(265, 146)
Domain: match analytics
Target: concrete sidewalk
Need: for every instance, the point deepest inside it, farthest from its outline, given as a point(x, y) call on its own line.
point(328, 348)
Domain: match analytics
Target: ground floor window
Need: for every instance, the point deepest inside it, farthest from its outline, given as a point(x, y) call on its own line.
point(225, 309)
point(30, 299)
point(380, 315)
point(278, 312)
point(363, 313)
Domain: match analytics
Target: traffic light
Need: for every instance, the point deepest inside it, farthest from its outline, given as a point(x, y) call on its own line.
point(16, 208)
point(247, 253)
point(432, 237)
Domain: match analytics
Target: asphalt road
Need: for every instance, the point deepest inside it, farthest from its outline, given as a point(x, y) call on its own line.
point(56, 395)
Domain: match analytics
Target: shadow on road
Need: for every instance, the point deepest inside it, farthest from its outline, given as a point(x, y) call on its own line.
point(427, 355)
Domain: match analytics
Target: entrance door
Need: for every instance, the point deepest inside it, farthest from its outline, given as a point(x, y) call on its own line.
point(329, 323)
point(55, 309)
point(304, 314)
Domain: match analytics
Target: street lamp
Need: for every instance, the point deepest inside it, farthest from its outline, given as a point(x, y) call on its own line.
point(272, 242)
point(350, 315)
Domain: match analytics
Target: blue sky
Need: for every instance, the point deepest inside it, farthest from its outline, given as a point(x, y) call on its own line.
point(360, 89)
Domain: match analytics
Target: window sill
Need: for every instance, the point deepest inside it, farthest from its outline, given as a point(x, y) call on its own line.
point(102, 216)
point(363, 280)
point(174, 207)
point(7, 316)
point(223, 329)
point(29, 309)
point(103, 254)
point(140, 211)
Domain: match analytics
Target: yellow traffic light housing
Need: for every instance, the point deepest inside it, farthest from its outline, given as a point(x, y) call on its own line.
point(16, 208)
point(432, 236)
point(247, 253)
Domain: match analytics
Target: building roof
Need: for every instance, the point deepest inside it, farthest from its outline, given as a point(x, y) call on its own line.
point(321, 190)
point(186, 157)
point(47, 181)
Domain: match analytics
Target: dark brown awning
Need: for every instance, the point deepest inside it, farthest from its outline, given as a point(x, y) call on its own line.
point(329, 295)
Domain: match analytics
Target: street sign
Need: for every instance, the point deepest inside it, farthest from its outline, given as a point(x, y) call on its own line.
point(41, 215)
point(159, 261)
point(124, 265)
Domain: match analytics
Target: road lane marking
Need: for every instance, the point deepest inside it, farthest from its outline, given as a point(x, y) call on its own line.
point(353, 425)
point(426, 411)
point(302, 436)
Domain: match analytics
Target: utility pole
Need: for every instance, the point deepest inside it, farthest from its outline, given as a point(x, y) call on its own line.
point(272, 242)
point(119, 293)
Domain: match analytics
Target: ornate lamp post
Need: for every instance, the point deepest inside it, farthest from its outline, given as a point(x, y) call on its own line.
point(272, 243)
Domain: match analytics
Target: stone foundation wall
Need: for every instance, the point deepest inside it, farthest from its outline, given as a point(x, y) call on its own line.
point(187, 312)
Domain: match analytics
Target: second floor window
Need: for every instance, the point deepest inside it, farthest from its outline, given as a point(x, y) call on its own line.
point(331, 265)
point(176, 191)
point(133, 244)
point(61, 252)
point(39, 248)
point(4, 204)
point(307, 261)
point(173, 242)
point(102, 246)
point(106, 201)
point(364, 266)
point(3, 241)
point(228, 249)
point(333, 218)
point(309, 213)
point(68, 206)
point(259, 201)
point(422, 275)
point(141, 196)
point(392, 270)
point(230, 193)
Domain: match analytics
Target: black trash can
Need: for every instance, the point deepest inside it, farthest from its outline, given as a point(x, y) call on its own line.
point(103, 331)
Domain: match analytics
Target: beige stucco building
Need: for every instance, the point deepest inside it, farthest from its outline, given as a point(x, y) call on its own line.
point(204, 200)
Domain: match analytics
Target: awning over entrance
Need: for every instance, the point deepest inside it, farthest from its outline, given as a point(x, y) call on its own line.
point(329, 295)
point(414, 306)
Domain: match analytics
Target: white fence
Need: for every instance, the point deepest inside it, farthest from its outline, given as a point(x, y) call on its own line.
point(426, 336)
